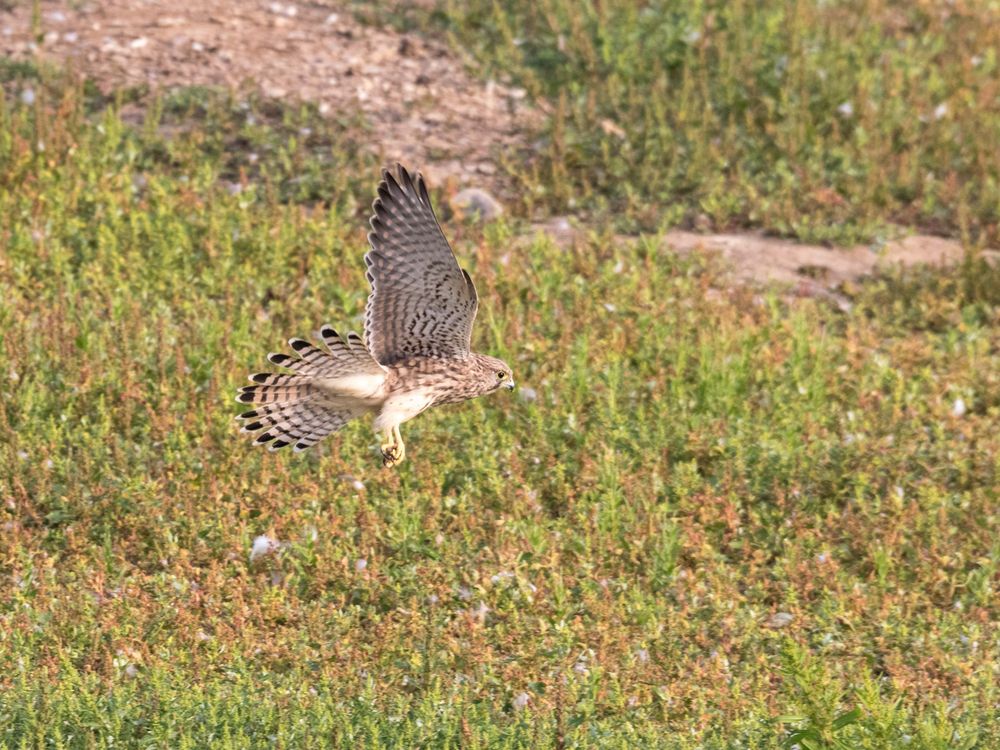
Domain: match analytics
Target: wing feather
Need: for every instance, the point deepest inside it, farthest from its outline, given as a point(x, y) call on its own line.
point(422, 303)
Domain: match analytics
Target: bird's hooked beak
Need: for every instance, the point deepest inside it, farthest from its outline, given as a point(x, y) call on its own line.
point(510, 384)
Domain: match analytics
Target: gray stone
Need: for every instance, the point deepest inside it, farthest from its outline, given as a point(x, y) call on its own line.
point(473, 202)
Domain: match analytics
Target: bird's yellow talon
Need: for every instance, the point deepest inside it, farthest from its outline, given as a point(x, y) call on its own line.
point(393, 451)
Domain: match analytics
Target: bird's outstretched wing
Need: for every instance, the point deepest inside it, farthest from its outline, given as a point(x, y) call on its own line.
point(422, 302)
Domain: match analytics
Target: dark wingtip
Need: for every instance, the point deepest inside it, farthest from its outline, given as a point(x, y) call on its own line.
point(405, 179)
point(389, 179)
point(264, 438)
point(278, 445)
point(422, 189)
point(259, 377)
point(247, 414)
point(298, 344)
point(245, 397)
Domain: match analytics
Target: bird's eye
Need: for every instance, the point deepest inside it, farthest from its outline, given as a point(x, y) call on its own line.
point(501, 375)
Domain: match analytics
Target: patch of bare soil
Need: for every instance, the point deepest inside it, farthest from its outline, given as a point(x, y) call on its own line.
point(814, 270)
point(423, 106)
point(805, 270)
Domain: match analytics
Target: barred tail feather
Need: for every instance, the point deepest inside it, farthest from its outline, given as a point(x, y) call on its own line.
point(302, 424)
point(292, 409)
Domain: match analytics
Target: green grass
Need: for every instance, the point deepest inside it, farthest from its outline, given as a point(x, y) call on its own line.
point(594, 568)
point(837, 122)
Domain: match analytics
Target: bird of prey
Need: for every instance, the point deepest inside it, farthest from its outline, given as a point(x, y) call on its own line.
point(416, 351)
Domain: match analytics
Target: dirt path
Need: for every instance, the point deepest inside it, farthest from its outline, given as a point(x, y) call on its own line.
point(805, 270)
point(425, 108)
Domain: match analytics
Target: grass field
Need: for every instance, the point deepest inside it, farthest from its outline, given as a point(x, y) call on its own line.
point(725, 520)
point(829, 121)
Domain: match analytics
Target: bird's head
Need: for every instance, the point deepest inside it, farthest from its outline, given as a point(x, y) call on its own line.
point(492, 374)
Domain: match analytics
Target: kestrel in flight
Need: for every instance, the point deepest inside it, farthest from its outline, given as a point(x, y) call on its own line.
point(416, 351)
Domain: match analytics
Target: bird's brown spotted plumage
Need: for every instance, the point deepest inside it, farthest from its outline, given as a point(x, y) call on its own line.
point(416, 352)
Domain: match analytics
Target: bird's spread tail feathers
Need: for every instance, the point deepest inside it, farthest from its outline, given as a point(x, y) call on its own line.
point(295, 409)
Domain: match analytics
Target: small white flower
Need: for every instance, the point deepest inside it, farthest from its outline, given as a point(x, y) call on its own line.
point(642, 655)
point(562, 225)
point(976, 61)
point(609, 307)
point(940, 111)
point(356, 484)
point(138, 43)
point(822, 557)
point(464, 593)
point(520, 701)
point(846, 109)
point(28, 97)
point(958, 408)
point(263, 545)
point(503, 575)
point(361, 564)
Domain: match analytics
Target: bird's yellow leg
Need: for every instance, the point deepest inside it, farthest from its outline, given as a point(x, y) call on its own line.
point(400, 447)
point(392, 449)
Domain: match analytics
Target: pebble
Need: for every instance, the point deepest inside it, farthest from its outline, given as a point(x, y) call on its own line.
point(530, 395)
point(779, 620)
point(473, 202)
